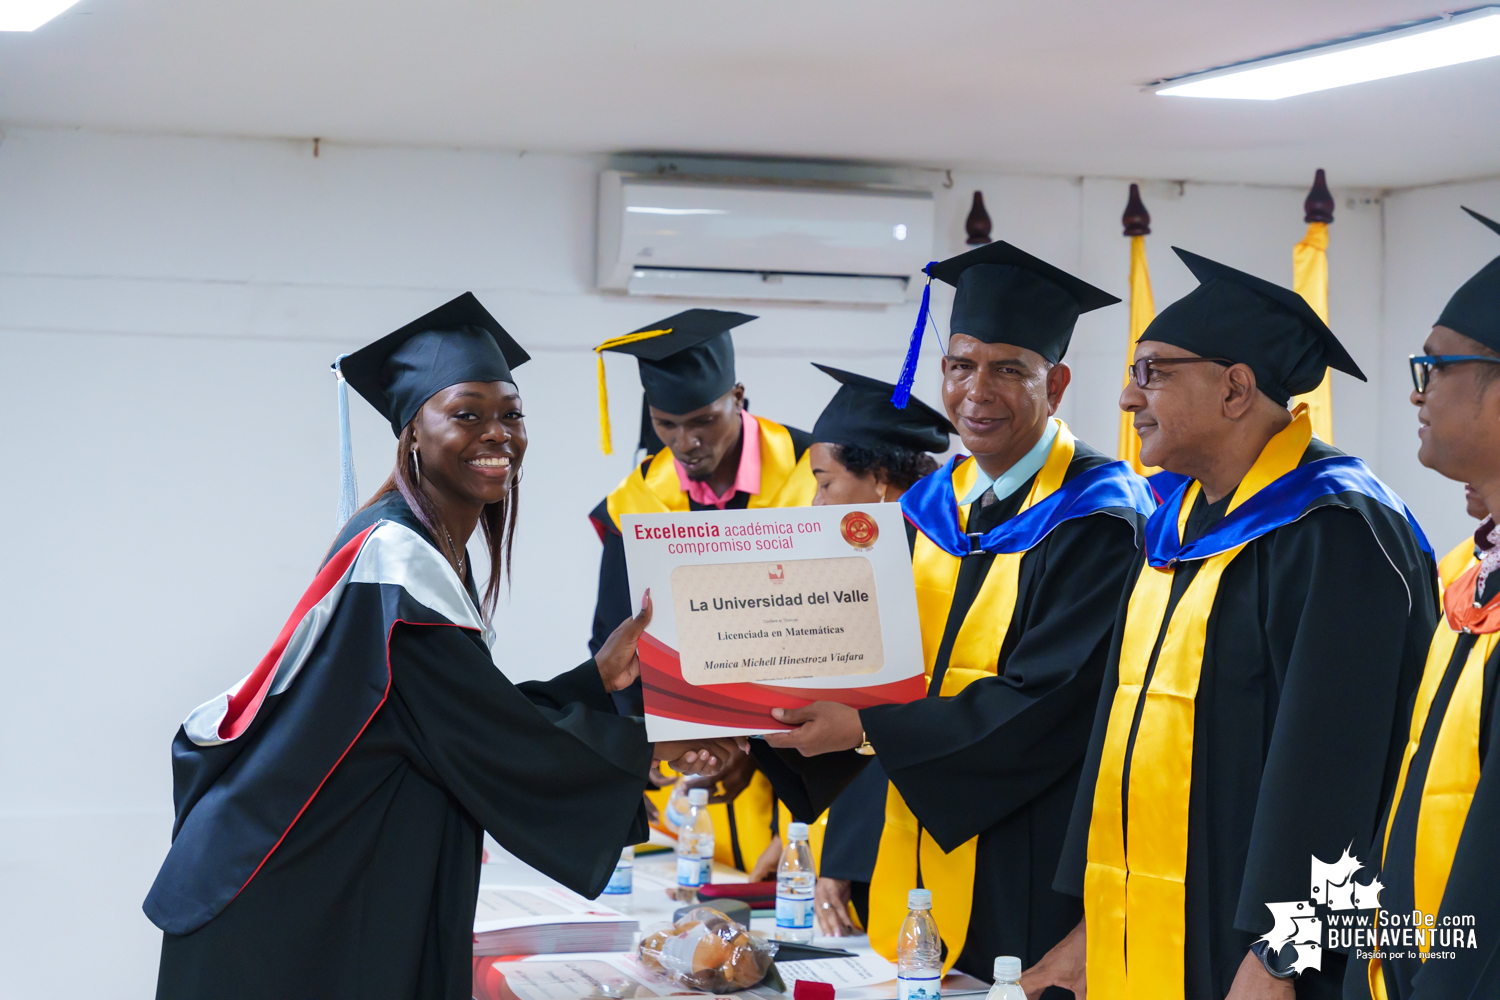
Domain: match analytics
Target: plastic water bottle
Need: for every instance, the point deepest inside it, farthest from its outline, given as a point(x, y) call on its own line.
point(695, 847)
point(1007, 979)
point(919, 951)
point(795, 880)
point(622, 881)
point(677, 806)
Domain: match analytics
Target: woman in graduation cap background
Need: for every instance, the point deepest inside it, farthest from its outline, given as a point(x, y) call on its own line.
point(864, 450)
point(331, 806)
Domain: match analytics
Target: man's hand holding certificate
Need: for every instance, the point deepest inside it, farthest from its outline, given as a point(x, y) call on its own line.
point(777, 608)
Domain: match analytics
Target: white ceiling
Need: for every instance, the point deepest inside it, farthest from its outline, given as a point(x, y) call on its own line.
point(1049, 87)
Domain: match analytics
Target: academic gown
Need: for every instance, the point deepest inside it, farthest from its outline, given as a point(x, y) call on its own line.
point(1001, 759)
point(371, 891)
point(1471, 890)
point(1314, 648)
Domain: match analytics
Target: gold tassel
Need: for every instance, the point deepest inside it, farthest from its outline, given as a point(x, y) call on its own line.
point(606, 439)
point(606, 443)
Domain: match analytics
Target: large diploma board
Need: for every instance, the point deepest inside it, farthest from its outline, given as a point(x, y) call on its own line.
point(762, 609)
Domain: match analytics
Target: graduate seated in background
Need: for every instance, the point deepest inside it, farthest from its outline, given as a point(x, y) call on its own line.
point(1020, 554)
point(864, 450)
point(1441, 843)
point(331, 807)
point(704, 451)
point(1274, 629)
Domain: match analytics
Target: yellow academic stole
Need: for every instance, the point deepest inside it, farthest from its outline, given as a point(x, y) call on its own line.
point(905, 850)
point(1453, 771)
point(1134, 897)
point(785, 480)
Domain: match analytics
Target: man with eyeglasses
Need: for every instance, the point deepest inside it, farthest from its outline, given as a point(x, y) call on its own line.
point(1275, 626)
point(1440, 846)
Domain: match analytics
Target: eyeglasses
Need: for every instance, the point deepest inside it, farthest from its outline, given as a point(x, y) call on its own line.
point(1143, 369)
point(1423, 365)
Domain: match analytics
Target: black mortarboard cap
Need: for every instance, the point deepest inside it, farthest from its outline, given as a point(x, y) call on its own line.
point(1249, 320)
point(650, 442)
point(1474, 310)
point(1007, 296)
point(458, 341)
point(861, 413)
point(686, 361)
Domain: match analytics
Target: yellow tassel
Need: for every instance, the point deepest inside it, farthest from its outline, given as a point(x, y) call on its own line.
point(606, 439)
point(606, 443)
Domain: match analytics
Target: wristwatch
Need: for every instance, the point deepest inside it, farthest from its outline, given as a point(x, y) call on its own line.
point(864, 747)
point(1278, 964)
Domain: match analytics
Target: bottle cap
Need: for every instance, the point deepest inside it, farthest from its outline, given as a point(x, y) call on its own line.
point(698, 796)
point(796, 831)
point(919, 899)
point(1007, 969)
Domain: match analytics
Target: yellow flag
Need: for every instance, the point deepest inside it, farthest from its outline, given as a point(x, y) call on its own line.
point(1142, 312)
point(1310, 280)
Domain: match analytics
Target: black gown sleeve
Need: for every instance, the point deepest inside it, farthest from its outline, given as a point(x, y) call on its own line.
point(851, 841)
point(581, 685)
point(1070, 867)
point(558, 785)
point(965, 763)
point(806, 785)
point(1337, 621)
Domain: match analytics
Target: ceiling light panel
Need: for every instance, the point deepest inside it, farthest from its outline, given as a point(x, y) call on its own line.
point(28, 15)
point(1447, 42)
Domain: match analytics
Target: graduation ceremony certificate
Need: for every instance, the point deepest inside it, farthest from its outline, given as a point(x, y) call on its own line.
point(757, 609)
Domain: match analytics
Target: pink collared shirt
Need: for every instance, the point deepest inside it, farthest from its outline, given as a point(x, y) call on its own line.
point(747, 479)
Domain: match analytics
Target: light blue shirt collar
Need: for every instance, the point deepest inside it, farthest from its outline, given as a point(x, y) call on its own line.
point(1015, 477)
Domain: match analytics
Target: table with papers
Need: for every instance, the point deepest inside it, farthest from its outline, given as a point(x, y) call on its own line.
point(619, 975)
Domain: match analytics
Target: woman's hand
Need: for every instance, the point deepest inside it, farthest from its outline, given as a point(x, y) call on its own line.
point(1064, 966)
point(700, 756)
point(617, 661)
point(764, 869)
point(831, 907)
point(822, 727)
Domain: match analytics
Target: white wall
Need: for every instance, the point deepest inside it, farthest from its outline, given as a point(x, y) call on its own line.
point(168, 309)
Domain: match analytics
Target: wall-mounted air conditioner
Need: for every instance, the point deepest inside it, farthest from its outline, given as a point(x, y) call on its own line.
point(700, 238)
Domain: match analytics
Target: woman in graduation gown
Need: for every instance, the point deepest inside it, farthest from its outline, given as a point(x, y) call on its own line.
point(331, 806)
point(864, 450)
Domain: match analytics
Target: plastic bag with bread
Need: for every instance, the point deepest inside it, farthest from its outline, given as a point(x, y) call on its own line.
point(705, 950)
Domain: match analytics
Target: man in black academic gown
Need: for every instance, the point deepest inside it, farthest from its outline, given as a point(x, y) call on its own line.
point(705, 451)
point(1441, 845)
point(1274, 629)
point(982, 772)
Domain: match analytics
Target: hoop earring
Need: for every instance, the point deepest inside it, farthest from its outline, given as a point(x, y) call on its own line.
point(416, 465)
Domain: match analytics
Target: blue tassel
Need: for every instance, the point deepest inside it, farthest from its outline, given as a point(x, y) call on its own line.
point(348, 488)
point(902, 395)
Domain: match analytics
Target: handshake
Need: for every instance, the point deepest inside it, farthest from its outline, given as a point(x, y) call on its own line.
point(823, 727)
